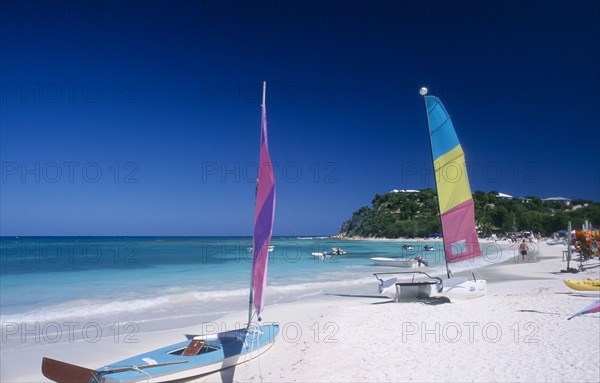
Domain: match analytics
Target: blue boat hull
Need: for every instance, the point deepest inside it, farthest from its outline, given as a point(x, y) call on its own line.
point(219, 351)
point(182, 361)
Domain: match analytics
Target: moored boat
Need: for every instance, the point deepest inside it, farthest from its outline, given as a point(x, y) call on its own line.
point(337, 251)
point(395, 262)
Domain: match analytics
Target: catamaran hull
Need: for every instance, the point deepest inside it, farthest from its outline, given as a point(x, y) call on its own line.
point(406, 291)
point(420, 286)
point(456, 288)
point(459, 289)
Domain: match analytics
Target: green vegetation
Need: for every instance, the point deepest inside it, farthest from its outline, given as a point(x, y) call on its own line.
point(401, 214)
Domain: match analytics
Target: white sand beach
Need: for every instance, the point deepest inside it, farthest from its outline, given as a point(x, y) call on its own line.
point(518, 332)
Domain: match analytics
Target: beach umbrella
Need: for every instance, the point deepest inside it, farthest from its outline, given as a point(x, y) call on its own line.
point(593, 308)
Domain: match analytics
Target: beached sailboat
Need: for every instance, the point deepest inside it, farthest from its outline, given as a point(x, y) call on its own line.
point(456, 207)
point(202, 354)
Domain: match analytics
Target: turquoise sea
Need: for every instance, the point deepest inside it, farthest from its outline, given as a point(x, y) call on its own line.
point(150, 280)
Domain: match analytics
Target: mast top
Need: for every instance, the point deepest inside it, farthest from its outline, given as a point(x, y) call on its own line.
point(423, 91)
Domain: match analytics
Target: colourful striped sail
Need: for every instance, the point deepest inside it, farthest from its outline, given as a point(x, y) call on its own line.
point(593, 308)
point(263, 215)
point(454, 193)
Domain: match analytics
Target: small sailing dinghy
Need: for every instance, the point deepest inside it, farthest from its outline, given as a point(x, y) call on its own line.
point(321, 254)
point(209, 353)
point(455, 203)
point(395, 262)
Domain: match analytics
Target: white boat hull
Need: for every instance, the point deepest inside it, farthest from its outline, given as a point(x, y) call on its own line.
point(459, 288)
point(403, 290)
point(455, 288)
point(394, 262)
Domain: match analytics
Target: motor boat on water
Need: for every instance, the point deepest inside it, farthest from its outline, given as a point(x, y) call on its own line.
point(395, 262)
point(322, 255)
point(337, 251)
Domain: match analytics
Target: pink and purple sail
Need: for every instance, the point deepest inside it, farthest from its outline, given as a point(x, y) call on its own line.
point(593, 308)
point(454, 192)
point(263, 215)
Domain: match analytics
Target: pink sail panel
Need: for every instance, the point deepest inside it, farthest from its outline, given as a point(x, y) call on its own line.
point(460, 238)
point(263, 217)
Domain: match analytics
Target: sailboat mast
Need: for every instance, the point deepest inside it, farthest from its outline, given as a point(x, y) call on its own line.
point(251, 299)
point(423, 92)
point(254, 250)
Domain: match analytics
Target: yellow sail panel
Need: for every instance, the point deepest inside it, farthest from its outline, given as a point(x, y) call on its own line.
point(452, 179)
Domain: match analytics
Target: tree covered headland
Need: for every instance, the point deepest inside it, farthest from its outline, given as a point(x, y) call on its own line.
point(404, 214)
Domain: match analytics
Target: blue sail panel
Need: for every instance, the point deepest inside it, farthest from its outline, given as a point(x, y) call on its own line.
point(443, 135)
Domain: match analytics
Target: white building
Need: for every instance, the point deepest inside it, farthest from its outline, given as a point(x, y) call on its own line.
point(564, 200)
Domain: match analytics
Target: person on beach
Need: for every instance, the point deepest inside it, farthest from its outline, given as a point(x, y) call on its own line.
point(421, 261)
point(418, 259)
point(523, 249)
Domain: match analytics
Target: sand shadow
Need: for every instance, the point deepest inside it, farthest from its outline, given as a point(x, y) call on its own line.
point(383, 303)
point(433, 301)
point(584, 268)
point(227, 374)
point(539, 312)
point(357, 296)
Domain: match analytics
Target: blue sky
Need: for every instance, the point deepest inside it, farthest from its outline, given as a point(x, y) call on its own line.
point(143, 118)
